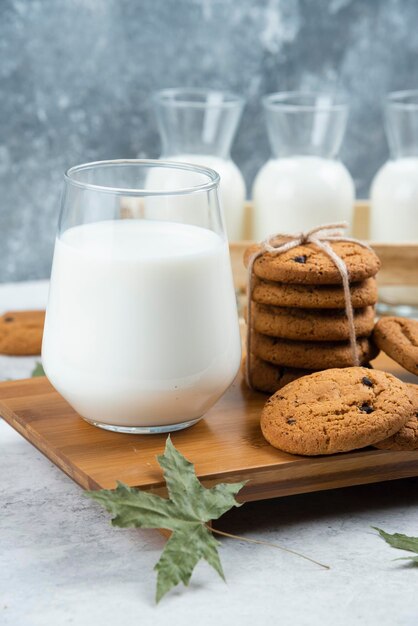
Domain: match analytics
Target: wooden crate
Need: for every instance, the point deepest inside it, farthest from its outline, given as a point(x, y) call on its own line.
point(399, 260)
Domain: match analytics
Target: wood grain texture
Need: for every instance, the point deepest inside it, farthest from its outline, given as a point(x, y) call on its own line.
point(226, 446)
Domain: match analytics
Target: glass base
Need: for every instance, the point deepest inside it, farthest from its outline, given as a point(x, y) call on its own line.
point(143, 430)
point(398, 310)
point(398, 300)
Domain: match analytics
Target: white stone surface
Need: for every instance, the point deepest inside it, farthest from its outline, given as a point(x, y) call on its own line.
point(62, 563)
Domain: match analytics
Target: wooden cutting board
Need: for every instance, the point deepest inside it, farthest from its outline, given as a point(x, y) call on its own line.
point(225, 446)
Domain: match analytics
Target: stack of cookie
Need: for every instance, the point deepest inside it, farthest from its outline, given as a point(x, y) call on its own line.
point(298, 319)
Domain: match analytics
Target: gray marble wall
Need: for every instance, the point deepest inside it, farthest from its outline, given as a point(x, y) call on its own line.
point(75, 78)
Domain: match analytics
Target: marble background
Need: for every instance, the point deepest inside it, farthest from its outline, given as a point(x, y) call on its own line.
point(75, 79)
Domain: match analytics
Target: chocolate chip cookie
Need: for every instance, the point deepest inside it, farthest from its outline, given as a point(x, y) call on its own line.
point(336, 410)
point(21, 332)
point(311, 355)
point(407, 437)
point(398, 337)
point(309, 265)
point(313, 296)
point(310, 324)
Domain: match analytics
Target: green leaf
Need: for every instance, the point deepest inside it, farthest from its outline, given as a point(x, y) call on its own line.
point(138, 509)
point(181, 554)
point(188, 493)
point(38, 370)
point(402, 542)
point(186, 512)
point(413, 559)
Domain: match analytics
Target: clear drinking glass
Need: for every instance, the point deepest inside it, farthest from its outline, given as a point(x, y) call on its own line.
point(394, 193)
point(141, 331)
point(198, 126)
point(303, 184)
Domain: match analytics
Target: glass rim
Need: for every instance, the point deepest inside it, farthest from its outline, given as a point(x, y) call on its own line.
point(282, 100)
point(167, 97)
point(399, 99)
point(212, 175)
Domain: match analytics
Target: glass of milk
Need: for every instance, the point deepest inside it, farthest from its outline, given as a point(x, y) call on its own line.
point(198, 126)
point(303, 184)
point(141, 331)
point(394, 193)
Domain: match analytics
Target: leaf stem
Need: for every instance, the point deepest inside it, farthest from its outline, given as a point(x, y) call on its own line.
point(266, 543)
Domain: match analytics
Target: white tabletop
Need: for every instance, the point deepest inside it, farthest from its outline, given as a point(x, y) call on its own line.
point(62, 563)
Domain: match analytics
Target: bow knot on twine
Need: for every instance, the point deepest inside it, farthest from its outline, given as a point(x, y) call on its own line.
point(320, 237)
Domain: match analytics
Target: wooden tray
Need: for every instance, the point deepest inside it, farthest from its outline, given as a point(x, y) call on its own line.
point(226, 446)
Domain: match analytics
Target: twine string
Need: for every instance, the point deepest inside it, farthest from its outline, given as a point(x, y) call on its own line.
point(321, 237)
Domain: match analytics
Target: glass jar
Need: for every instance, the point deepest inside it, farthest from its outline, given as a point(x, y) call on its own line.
point(198, 126)
point(141, 332)
point(394, 193)
point(303, 184)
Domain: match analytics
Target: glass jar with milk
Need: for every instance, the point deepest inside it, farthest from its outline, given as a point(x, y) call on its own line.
point(198, 126)
point(394, 193)
point(303, 184)
point(141, 331)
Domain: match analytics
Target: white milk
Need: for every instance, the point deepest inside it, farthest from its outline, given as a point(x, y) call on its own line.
point(231, 189)
point(394, 215)
point(141, 326)
point(394, 202)
point(299, 193)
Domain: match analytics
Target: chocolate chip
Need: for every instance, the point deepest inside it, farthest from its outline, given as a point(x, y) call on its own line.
point(300, 259)
point(366, 381)
point(291, 421)
point(8, 319)
point(366, 408)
